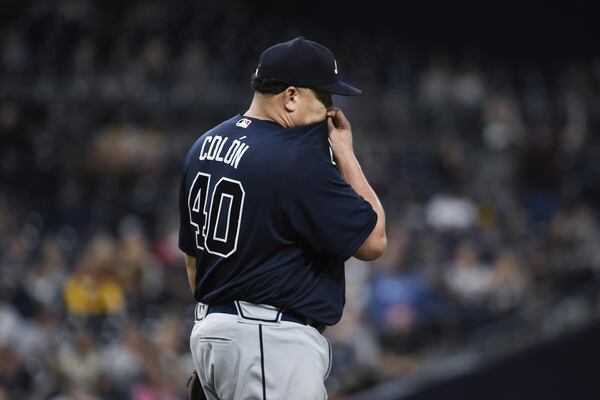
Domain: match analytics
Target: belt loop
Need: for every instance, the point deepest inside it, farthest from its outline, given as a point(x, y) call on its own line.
point(200, 311)
point(258, 313)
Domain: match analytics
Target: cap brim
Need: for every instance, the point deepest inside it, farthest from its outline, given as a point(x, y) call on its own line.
point(340, 88)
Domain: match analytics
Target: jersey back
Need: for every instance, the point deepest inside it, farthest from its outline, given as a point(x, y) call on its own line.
point(269, 218)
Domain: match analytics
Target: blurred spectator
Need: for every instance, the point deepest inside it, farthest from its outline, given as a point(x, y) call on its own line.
point(44, 283)
point(435, 83)
point(14, 377)
point(156, 386)
point(403, 303)
point(173, 358)
point(355, 354)
point(468, 278)
point(508, 284)
point(136, 269)
point(449, 208)
point(445, 211)
point(468, 88)
point(80, 362)
point(10, 324)
point(502, 126)
point(123, 359)
point(93, 289)
point(540, 175)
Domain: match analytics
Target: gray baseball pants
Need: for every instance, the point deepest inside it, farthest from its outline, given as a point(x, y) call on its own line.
point(255, 355)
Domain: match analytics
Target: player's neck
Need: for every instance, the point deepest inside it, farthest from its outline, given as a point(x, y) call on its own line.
point(263, 109)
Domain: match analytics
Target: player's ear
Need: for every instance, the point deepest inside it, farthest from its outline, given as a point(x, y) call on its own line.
point(290, 99)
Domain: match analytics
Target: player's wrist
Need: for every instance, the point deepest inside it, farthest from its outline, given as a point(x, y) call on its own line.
point(348, 164)
point(342, 148)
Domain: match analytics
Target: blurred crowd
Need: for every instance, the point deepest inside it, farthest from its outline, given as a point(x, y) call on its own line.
point(489, 171)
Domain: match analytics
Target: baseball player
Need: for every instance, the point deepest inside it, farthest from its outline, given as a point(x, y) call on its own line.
point(272, 202)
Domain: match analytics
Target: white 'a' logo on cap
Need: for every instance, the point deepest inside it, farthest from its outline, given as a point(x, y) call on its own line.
point(335, 66)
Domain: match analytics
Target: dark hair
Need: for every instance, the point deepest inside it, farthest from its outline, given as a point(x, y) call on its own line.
point(268, 85)
point(275, 86)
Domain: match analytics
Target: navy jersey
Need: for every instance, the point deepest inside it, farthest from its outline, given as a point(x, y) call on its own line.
point(269, 218)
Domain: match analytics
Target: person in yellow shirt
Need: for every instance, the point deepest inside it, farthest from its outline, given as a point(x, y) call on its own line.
point(92, 289)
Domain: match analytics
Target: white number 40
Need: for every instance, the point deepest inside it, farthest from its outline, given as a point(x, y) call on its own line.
point(227, 197)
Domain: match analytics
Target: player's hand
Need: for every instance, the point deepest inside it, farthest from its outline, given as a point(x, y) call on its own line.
point(340, 133)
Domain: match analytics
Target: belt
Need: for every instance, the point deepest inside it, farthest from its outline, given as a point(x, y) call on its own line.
point(230, 308)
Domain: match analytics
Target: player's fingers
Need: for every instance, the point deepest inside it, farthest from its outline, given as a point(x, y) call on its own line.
point(330, 125)
point(331, 111)
point(340, 120)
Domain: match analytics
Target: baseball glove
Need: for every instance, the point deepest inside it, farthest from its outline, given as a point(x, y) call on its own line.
point(194, 386)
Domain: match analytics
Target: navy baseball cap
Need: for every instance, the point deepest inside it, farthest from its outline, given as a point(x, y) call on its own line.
point(302, 62)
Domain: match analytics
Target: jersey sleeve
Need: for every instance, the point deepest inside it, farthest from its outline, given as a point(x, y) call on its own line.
point(186, 236)
point(327, 213)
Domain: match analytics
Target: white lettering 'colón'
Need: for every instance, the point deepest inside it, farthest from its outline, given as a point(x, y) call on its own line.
point(213, 149)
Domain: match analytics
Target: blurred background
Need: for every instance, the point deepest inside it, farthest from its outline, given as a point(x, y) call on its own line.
point(478, 128)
